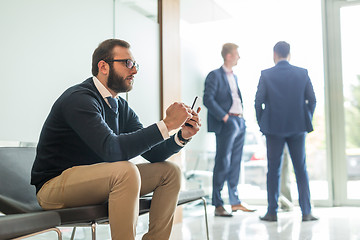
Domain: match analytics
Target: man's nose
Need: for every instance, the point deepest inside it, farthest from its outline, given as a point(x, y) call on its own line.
point(133, 70)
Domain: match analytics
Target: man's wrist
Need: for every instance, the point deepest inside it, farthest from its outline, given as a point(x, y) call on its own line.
point(181, 138)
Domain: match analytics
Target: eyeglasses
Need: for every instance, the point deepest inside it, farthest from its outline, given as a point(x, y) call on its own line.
point(128, 63)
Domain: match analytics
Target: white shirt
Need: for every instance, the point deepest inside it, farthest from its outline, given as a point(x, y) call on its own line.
point(161, 125)
point(236, 106)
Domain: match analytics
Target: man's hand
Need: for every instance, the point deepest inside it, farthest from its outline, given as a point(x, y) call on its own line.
point(176, 115)
point(225, 118)
point(195, 122)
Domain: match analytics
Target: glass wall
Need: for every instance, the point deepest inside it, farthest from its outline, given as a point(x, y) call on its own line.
point(46, 46)
point(350, 39)
point(255, 30)
point(136, 21)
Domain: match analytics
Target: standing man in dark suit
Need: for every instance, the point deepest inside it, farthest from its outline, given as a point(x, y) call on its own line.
point(223, 99)
point(285, 103)
point(91, 134)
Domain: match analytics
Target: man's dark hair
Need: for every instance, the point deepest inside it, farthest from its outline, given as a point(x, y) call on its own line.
point(282, 49)
point(104, 52)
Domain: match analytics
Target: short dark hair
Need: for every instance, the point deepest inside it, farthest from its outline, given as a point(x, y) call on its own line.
point(282, 49)
point(227, 48)
point(104, 52)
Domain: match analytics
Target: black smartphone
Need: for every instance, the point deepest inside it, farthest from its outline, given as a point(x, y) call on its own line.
point(194, 106)
point(195, 103)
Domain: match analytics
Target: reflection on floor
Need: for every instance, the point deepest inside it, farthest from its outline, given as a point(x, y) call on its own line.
point(340, 223)
point(335, 223)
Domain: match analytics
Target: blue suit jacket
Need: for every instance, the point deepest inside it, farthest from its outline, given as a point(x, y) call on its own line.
point(217, 98)
point(288, 96)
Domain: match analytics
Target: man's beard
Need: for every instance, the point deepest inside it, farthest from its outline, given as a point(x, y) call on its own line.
point(117, 83)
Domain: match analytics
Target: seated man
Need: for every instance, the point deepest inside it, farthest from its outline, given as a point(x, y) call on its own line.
point(88, 138)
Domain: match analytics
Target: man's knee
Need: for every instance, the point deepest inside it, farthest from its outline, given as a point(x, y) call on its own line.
point(125, 173)
point(174, 172)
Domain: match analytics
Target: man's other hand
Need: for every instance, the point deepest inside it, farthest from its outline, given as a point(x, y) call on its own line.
point(195, 122)
point(176, 115)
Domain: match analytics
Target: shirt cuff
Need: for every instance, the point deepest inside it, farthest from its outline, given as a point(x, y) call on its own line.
point(163, 129)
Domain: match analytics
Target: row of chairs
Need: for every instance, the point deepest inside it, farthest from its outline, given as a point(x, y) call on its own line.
point(23, 215)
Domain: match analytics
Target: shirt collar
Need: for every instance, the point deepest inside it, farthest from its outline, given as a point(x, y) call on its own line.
point(227, 70)
point(101, 88)
point(283, 61)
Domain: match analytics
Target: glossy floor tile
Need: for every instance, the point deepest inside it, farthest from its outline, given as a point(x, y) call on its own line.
point(339, 223)
point(335, 223)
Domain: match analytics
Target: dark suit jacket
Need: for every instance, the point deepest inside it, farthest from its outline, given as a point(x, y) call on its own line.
point(217, 98)
point(289, 99)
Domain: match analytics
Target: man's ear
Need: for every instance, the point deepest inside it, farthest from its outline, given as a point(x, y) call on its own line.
point(103, 67)
point(228, 56)
point(275, 57)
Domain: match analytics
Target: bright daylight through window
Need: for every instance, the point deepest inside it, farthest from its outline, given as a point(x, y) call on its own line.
point(255, 29)
point(350, 39)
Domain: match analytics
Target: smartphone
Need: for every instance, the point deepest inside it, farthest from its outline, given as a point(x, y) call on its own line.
point(195, 107)
point(195, 104)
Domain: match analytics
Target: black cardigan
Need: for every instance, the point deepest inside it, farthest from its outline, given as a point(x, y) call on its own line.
point(79, 131)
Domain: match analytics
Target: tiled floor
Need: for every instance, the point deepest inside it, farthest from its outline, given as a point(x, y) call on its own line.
point(340, 223)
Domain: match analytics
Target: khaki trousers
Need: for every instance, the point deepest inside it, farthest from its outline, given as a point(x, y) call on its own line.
point(120, 183)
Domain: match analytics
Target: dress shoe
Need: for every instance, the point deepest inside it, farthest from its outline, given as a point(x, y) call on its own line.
point(309, 217)
point(221, 212)
point(241, 207)
point(269, 218)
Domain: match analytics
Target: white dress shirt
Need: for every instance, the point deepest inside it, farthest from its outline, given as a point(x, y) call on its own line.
point(161, 125)
point(236, 106)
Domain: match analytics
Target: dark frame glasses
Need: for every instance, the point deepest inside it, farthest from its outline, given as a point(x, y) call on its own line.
point(128, 63)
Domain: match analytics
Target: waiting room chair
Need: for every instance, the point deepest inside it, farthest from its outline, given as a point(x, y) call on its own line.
point(18, 196)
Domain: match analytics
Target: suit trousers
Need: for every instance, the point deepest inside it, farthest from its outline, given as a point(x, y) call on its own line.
point(120, 183)
point(229, 148)
point(275, 147)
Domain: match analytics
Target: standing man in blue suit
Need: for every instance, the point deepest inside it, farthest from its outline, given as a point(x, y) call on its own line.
point(285, 103)
point(223, 99)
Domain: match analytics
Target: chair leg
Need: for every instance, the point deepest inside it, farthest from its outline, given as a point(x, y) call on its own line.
point(73, 233)
point(93, 231)
point(58, 232)
point(206, 218)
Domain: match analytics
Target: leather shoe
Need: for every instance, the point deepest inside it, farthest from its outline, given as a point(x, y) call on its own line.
point(241, 207)
point(269, 218)
point(221, 212)
point(309, 217)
